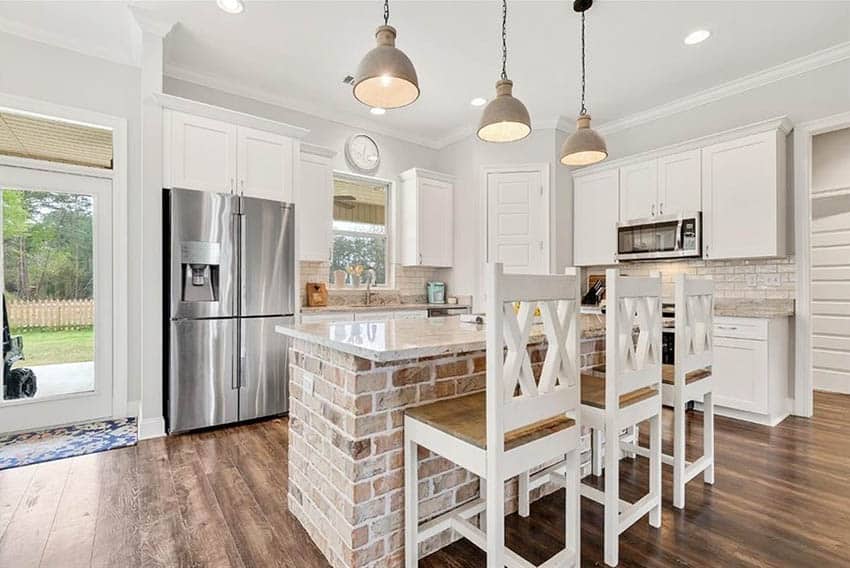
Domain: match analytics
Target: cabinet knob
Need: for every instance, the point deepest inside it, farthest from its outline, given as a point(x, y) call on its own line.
point(420, 258)
point(652, 210)
point(242, 183)
point(232, 187)
point(661, 208)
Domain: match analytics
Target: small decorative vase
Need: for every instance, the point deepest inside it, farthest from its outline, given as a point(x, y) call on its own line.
point(355, 281)
point(339, 278)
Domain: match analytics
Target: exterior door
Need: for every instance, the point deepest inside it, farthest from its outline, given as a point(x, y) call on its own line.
point(57, 275)
point(518, 222)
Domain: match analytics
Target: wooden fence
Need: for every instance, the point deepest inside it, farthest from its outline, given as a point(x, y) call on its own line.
point(52, 314)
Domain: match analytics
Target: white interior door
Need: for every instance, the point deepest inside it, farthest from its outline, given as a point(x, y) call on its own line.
point(57, 275)
point(518, 221)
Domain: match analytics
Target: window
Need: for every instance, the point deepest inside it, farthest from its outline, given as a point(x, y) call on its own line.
point(360, 229)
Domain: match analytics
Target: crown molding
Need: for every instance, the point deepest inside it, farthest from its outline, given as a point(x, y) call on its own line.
point(791, 68)
point(67, 40)
point(175, 71)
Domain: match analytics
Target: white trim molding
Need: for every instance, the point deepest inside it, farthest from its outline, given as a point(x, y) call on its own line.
point(803, 134)
point(792, 68)
point(151, 428)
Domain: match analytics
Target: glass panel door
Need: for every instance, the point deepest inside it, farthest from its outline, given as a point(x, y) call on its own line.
point(57, 295)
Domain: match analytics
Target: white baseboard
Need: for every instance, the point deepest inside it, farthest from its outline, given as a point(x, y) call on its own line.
point(151, 428)
point(763, 419)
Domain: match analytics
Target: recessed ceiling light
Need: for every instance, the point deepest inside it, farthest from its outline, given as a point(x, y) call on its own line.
point(696, 37)
point(378, 111)
point(231, 6)
point(478, 101)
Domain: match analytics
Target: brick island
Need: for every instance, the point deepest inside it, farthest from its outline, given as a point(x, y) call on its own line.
point(350, 383)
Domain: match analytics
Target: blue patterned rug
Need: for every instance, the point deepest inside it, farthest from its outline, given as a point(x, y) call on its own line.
point(66, 441)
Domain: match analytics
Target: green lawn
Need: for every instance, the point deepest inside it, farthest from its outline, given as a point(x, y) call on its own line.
point(45, 347)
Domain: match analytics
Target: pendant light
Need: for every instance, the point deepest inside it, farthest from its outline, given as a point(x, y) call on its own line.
point(385, 77)
point(505, 118)
point(584, 146)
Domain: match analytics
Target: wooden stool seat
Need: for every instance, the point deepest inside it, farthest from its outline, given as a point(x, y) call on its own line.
point(668, 372)
point(465, 418)
point(593, 393)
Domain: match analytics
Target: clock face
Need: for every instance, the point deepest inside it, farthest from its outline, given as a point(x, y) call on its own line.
point(362, 153)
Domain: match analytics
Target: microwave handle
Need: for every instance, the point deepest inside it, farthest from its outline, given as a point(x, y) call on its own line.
point(678, 245)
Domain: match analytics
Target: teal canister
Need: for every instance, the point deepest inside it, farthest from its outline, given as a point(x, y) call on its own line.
point(436, 292)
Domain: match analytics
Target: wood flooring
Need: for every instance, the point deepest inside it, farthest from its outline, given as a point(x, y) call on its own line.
point(218, 499)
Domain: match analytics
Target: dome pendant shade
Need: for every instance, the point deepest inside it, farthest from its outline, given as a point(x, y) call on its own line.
point(505, 118)
point(584, 146)
point(385, 77)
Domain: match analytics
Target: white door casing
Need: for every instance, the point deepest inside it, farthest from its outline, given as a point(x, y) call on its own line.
point(517, 222)
point(28, 414)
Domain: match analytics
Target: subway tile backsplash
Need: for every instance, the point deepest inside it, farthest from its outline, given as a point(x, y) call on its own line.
point(760, 278)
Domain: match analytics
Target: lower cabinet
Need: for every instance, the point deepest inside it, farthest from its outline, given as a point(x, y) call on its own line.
point(750, 369)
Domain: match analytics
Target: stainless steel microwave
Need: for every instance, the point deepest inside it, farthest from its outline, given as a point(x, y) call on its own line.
point(662, 236)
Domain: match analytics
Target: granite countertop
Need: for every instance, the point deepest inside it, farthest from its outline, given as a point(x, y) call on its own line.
point(394, 340)
point(750, 308)
point(379, 308)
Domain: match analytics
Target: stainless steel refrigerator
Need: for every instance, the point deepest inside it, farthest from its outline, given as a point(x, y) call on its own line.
point(230, 279)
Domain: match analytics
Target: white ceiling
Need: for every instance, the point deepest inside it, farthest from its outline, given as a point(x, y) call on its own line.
point(297, 53)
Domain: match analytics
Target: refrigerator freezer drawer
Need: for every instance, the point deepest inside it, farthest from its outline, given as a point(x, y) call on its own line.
point(203, 389)
point(264, 362)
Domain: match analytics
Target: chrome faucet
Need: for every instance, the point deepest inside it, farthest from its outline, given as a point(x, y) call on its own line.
point(372, 276)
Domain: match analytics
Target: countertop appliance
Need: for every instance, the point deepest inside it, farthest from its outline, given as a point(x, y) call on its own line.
point(229, 280)
point(662, 236)
point(436, 292)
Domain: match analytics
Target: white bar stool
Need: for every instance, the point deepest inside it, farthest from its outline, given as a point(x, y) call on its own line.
point(518, 423)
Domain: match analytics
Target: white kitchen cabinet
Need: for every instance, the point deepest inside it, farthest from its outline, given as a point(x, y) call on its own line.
point(206, 154)
point(200, 153)
point(743, 197)
point(750, 368)
point(314, 209)
point(595, 215)
point(679, 183)
point(265, 164)
point(639, 190)
point(426, 218)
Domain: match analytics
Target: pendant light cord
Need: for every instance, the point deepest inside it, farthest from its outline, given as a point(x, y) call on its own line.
point(386, 12)
point(504, 39)
point(583, 108)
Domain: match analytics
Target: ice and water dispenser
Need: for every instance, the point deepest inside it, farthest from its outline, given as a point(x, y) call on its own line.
point(200, 264)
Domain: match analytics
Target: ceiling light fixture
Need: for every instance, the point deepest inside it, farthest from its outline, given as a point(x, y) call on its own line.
point(378, 111)
point(385, 77)
point(478, 101)
point(584, 146)
point(696, 37)
point(231, 6)
point(505, 118)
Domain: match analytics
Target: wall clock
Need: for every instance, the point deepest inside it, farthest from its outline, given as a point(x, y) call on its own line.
point(362, 153)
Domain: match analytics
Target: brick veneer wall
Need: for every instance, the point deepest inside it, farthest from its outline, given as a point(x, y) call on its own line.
point(346, 459)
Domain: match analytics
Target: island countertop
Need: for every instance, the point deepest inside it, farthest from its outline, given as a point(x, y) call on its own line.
point(395, 340)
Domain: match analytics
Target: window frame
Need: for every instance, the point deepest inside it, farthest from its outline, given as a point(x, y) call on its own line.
point(389, 216)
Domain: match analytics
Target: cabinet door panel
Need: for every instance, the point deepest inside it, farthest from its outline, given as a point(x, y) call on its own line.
point(679, 183)
point(595, 217)
point(639, 190)
point(435, 223)
point(203, 153)
point(314, 208)
point(265, 164)
point(742, 198)
point(740, 374)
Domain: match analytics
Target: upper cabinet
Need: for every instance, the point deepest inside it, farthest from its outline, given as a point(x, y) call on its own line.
point(743, 197)
point(664, 186)
point(264, 164)
point(426, 220)
point(213, 155)
point(595, 218)
point(315, 203)
point(202, 153)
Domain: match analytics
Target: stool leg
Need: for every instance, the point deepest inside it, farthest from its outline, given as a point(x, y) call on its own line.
point(596, 455)
point(708, 436)
point(572, 505)
point(679, 455)
point(482, 492)
point(411, 503)
point(522, 494)
point(612, 498)
point(495, 523)
point(655, 467)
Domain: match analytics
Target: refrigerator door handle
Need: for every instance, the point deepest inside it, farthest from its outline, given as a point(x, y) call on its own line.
point(242, 353)
point(243, 288)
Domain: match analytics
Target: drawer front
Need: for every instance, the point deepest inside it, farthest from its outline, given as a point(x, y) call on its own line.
point(743, 328)
point(739, 373)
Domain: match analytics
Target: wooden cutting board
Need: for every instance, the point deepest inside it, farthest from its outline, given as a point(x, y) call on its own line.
point(317, 294)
